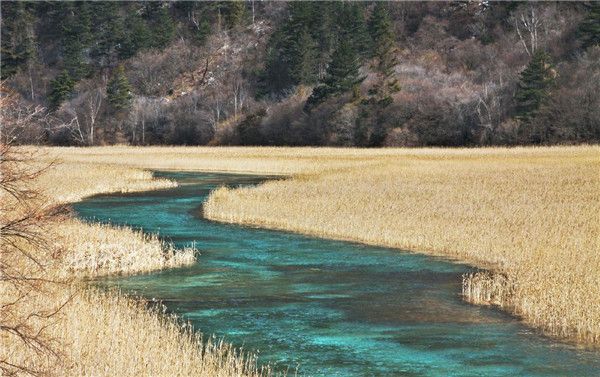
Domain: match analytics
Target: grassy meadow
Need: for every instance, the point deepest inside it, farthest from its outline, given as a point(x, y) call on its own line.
point(529, 216)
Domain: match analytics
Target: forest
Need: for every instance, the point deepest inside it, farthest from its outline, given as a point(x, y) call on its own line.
point(365, 74)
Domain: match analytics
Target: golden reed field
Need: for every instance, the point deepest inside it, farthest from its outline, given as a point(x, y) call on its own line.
point(529, 216)
point(99, 333)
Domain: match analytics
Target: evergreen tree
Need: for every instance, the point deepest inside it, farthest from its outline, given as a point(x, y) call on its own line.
point(119, 90)
point(18, 39)
point(342, 75)
point(354, 28)
point(108, 32)
point(161, 24)
point(324, 33)
point(202, 32)
point(303, 69)
point(384, 40)
point(534, 83)
point(236, 13)
point(76, 37)
point(291, 52)
point(137, 36)
point(589, 30)
point(61, 89)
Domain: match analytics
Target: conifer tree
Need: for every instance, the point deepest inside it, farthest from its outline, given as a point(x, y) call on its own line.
point(119, 90)
point(236, 13)
point(137, 36)
point(161, 24)
point(342, 75)
point(384, 40)
point(354, 28)
point(76, 37)
point(108, 32)
point(324, 35)
point(18, 40)
point(303, 69)
point(533, 86)
point(61, 89)
point(589, 30)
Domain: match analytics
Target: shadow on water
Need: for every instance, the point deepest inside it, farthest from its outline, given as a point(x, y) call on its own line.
point(332, 308)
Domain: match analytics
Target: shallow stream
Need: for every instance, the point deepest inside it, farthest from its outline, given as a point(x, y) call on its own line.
point(327, 308)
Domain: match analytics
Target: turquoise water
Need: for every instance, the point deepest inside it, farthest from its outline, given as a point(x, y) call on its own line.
point(327, 308)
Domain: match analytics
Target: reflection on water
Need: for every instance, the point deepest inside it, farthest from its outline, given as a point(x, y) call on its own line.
point(331, 308)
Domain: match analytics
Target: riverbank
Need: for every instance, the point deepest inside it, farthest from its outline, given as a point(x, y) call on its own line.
point(105, 333)
point(528, 214)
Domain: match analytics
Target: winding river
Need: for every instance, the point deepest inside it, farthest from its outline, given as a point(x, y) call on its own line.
point(327, 308)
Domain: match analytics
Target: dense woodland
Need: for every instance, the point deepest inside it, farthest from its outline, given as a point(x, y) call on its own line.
point(304, 73)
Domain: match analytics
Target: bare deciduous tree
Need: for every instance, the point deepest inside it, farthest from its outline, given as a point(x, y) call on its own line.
point(25, 255)
point(528, 24)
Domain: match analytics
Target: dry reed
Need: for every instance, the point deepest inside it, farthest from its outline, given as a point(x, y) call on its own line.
point(105, 333)
point(529, 215)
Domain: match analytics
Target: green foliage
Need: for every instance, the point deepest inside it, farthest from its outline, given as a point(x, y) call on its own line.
point(354, 28)
point(384, 39)
point(302, 59)
point(236, 13)
point(534, 83)
point(119, 90)
point(589, 30)
point(75, 38)
point(108, 32)
point(161, 24)
point(137, 36)
point(18, 40)
point(61, 89)
point(300, 50)
point(291, 52)
point(202, 32)
point(342, 75)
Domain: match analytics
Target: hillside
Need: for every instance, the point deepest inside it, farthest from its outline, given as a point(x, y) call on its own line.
point(310, 73)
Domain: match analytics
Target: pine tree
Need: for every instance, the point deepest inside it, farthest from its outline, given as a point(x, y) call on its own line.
point(291, 52)
point(589, 30)
point(119, 90)
point(61, 89)
point(342, 75)
point(384, 40)
point(202, 32)
point(324, 33)
point(236, 13)
point(161, 24)
point(534, 83)
point(303, 69)
point(137, 36)
point(354, 28)
point(108, 32)
point(76, 37)
point(18, 39)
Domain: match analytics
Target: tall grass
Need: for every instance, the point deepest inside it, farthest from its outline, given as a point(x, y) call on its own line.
point(98, 249)
point(95, 333)
point(107, 334)
point(530, 215)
